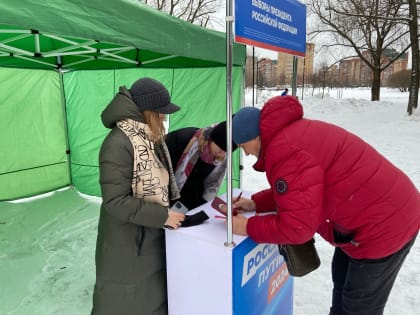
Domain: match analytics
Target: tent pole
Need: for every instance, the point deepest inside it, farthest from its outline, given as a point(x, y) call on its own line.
point(229, 46)
point(66, 131)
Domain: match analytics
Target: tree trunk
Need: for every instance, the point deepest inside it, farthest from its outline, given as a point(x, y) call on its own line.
point(415, 66)
point(376, 84)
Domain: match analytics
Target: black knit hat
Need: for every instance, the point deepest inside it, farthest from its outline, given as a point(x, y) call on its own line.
point(218, 136)
point(149, 94)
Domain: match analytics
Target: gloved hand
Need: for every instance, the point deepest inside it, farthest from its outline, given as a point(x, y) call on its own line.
point(194, 219)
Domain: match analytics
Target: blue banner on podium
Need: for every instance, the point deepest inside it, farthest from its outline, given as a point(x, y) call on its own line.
point(261, 282)
point(278, 25)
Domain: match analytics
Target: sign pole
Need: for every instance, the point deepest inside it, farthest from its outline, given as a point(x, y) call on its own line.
point(229, 47)
point(294, 78)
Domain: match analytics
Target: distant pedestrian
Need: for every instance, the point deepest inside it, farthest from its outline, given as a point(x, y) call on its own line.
point(284, 93)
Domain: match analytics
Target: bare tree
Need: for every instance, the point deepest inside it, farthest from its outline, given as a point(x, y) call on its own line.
point(400, 80)
point(415, 55)
point(369, 27)
point(194, 11)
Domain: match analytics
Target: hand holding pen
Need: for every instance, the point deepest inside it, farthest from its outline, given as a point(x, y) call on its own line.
point(239, 197)
point(243, 204)
point(221, 206)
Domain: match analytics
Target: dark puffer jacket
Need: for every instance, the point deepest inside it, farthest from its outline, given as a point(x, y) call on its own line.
point(327, 180)
point(130, 250)
point(193, 189)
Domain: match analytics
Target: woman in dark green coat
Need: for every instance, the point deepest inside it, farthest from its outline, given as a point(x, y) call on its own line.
point(137, 184)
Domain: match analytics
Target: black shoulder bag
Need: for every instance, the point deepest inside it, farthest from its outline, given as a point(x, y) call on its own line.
point(300, 259)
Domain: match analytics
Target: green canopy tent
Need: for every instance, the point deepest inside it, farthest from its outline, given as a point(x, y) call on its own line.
point(62, 61)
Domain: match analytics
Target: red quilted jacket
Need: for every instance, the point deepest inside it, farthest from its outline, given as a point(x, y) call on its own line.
point(324, 179)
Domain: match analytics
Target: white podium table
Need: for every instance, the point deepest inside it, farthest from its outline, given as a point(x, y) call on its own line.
point(205, 277)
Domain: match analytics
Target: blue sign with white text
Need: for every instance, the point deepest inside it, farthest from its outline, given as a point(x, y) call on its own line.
point(278, 25)
point(261, 283)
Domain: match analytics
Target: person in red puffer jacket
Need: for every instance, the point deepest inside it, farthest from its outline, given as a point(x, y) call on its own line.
point(324, 179)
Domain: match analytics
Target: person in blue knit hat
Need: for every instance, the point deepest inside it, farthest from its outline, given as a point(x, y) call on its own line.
point(326, 180)
point(246, 128)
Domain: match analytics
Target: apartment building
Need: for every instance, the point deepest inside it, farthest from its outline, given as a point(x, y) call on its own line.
point(305, 67)
point(355, 72)
point(272, 73)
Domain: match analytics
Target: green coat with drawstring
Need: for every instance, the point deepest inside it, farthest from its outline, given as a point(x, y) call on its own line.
point(130, 250)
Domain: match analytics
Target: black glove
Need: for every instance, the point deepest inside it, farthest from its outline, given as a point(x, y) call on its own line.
point(194, 219)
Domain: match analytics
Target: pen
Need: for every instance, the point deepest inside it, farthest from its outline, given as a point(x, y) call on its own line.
point(239, 197)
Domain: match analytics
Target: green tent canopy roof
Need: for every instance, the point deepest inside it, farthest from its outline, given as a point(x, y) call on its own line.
point(104, 34)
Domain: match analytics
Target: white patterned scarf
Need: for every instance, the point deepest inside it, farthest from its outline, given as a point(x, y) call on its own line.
point(150, 178)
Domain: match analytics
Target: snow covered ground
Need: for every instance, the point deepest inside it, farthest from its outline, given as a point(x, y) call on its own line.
point(47, 256)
